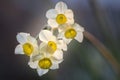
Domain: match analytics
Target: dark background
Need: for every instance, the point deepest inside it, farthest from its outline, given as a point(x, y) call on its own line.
point(82, 61)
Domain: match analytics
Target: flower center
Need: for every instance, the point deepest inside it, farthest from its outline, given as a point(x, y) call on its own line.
point(28, 49)
point(51, 47)
point(70, 33)
point(45, 63)
point(61, 19)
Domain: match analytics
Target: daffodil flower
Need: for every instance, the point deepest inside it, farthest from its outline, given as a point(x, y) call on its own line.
point(60, 15)
point(71, 32)
point(43, 63)
point(52, 45)
point(60, 30)
point(28, 44)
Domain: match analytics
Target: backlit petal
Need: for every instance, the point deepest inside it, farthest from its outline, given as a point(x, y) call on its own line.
point(69, 13)
point(45, 35)
point(70, 21)
point(67, 41)
point(52, 13)
point(62, 45)
point(32, 39)
point(22, 37)
point(54, 66)
point(33, 65)
point(52, 23)
point(80, 30)
point(42, 71)
point(78, 27)
point(43, 47)
point(58, 54)
point(54, 60)
point(19, 49)
point(61, 7)
point(79, 37)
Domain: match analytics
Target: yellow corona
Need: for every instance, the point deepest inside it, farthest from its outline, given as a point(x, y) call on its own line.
point(61, 19)
point(45, 63)
point(70, 33)
point(28, 49)
point(52, 47)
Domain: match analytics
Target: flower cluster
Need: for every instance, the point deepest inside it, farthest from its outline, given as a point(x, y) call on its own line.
point(49, 53)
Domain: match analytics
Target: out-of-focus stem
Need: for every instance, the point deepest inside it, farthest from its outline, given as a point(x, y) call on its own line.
point(103, 50)
point(37, 37)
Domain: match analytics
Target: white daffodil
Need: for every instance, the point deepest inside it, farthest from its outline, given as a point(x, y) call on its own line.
point(60, 15)
point(52, 46)
point(28, 44)
point(74, 31)
point(43, 63)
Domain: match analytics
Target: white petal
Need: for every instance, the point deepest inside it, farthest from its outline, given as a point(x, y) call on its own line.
point(22, 37)
point(45, 35)
point(80, 31)
point(19, 49)
point(78, 27)
point(36, 57)
point(61, 7)
point(61, 34)
point(62, 45)
point(54, 66)
point(58, 54)
point(32, 64)
point(54, 60)
point(32, 39)
point(69, 14)
point(42, 71)
point(43, 47)
point(70, 21)
point(52, 13)
point(67, 41)
point(52, 23)
point(79, 37)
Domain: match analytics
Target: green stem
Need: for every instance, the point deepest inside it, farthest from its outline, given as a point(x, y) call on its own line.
point(37, 37)
point(103, 50)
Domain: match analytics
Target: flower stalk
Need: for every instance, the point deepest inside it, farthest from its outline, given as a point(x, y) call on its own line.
point(103, 50)
point(60, 30)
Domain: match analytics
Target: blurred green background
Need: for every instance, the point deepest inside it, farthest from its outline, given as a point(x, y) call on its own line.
point(81, 61)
